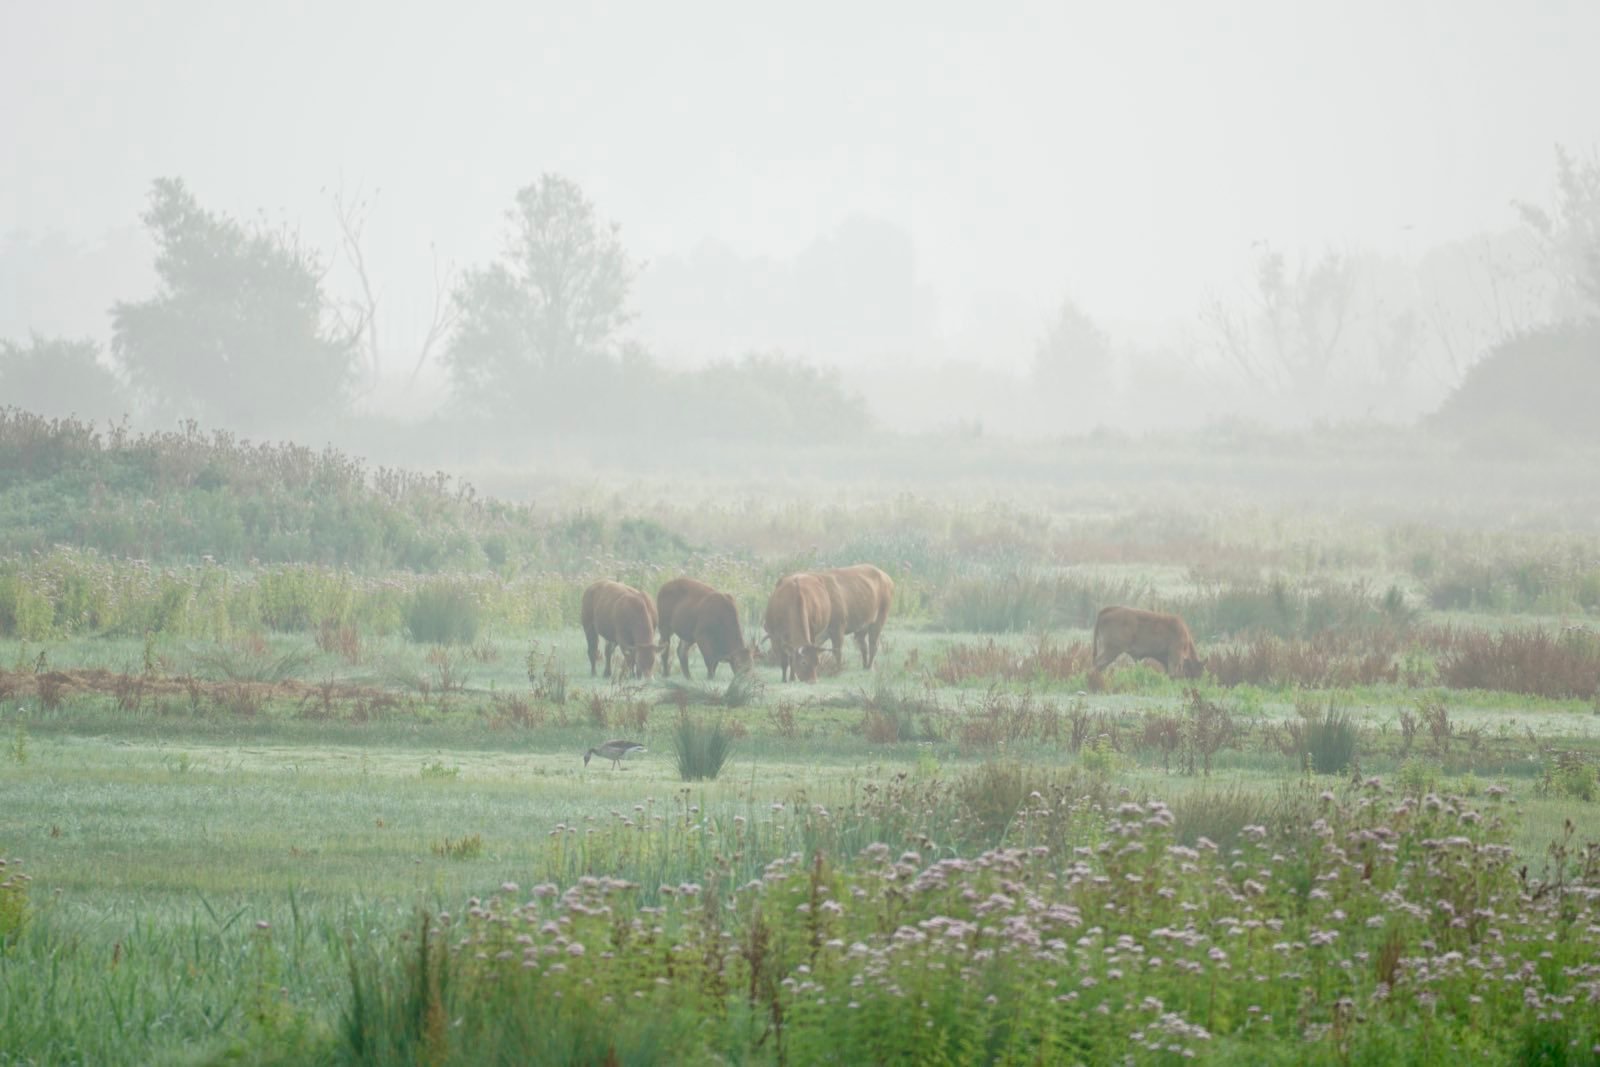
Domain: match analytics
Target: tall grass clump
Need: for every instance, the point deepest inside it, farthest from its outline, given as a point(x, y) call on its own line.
point(701, 748)
point(1331, 740)
point(444, 613)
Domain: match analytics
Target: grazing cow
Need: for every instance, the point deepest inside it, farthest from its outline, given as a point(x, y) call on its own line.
point(698, 615)
point(803, 611)
point(626, 618)
point(1142, 635)
point(867, 593)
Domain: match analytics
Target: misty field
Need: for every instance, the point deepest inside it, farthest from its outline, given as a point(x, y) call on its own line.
point(291, 772)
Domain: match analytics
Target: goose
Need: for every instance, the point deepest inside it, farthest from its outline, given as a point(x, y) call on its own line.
point(613, 751)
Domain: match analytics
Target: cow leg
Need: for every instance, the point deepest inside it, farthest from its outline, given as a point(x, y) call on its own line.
point(683, 657)
point(711, 664)
point(861, 646)
point(873, 633)
point(594, 649)
point(666, 655)
point(610, 648)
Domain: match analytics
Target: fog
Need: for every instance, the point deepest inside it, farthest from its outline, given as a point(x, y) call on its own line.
point(1035, 222)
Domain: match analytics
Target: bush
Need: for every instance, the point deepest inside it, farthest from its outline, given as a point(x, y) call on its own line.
point(1570, 775)
point(1536, 662)
point(444, 613)
point(1331, 740)
point(701, 748)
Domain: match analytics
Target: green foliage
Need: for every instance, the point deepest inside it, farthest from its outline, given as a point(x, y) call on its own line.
point(237, 332)
point(57, 377)
point(1323, 739)
point(701, 747)
point(439, 771)
point(1571, 775)
point(469, 847)
point(532, 326)
point(899, 954)
point(444, 613)
point(14, 909)
point(250, 659)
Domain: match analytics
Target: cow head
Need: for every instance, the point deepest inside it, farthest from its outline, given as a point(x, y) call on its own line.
point(805, 661)
point(641, 659)
point(1191, 665)
point(740, 657)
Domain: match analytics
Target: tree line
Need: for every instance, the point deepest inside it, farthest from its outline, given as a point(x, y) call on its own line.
point(242, 332)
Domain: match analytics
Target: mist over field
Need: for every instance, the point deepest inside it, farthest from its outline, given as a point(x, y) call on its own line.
point(1041, 224)
point(1046, 533)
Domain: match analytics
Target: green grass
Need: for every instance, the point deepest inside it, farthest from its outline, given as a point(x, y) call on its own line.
point(295, 761)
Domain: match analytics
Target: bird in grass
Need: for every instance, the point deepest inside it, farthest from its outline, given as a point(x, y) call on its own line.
point(614, 751)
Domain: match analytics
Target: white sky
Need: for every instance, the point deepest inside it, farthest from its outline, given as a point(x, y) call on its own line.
point(1127, 153)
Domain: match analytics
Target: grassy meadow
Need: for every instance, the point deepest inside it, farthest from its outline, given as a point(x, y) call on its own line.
point(291, 772)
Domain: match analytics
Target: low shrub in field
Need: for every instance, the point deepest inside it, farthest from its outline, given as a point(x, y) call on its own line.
point(1330, 662)
point(1376, 929)
point(444, 613)
point(1208, 728)
point(1534, 661)
point(701, 748)
point(1323, 740)
point(1047, 660)
point(13, 900)
point(1571, 775)
point(249, 659)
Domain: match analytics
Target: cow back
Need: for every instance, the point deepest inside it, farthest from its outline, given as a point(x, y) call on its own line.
point(866, 593)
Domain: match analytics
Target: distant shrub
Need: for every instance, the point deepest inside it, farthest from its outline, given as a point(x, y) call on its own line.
point(249, 659)
point(1533, 661)
point(701, 748)
point(444, 613)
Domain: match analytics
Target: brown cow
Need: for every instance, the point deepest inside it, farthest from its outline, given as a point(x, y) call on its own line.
point(867, 593)
point(698, 615)
point(1145, 634)
point(626, 618)
point(804, 611)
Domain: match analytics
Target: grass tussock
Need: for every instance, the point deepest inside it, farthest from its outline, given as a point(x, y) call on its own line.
point(701, 747)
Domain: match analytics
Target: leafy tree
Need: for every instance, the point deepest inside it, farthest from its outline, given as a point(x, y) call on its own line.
point(238, 332)
point(1075, 353)
point(58, 376)
point(544, 319)
point(1570, 234)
